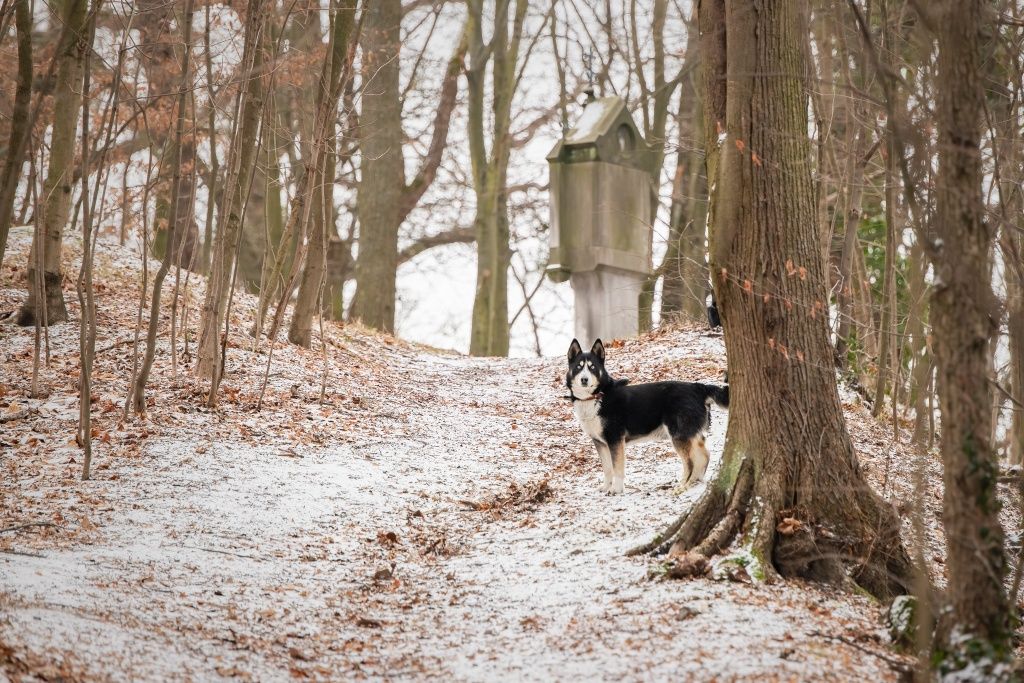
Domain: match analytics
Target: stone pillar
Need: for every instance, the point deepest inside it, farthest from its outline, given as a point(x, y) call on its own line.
point(606, 303)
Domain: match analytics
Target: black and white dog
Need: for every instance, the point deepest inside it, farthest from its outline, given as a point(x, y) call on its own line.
point(614, 414)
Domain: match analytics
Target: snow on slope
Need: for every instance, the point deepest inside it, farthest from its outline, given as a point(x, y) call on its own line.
point(434, 517)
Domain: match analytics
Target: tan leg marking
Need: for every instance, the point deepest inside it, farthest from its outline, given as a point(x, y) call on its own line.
point(682, 449)
point(701, 458)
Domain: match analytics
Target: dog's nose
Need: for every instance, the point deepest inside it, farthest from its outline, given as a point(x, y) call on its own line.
point(583, 381)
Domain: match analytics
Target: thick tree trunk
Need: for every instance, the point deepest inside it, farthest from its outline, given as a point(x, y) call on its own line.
point(67, 102)
point(963, 314)
point(384, 198)
point(20, 124)
point(381, 167)
point(241, 159)
point(790, 483)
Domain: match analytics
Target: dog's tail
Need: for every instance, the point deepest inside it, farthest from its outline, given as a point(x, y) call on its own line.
point(718, 394)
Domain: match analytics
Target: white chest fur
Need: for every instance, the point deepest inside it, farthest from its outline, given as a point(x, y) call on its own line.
point(586, 413)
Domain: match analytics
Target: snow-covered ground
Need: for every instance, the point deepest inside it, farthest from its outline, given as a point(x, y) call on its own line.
point(434, 517)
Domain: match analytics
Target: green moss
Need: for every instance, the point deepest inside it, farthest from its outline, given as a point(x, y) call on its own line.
point(901, 620)
point(658, 570)
point(732, 460)
point(864, 592)
point(746, 558)
point(969, 656)
point(983, 470)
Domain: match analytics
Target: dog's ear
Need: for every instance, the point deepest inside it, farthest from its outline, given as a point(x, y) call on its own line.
point(598, 350)
point(574, 350)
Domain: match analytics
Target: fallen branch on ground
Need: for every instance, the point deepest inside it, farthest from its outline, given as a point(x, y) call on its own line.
point(894, 663)
point(536, 492)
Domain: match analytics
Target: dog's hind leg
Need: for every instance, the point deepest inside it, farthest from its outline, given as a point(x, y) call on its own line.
point(682, 448)
point(701, 458)
point(606, 465)
point(618, 453)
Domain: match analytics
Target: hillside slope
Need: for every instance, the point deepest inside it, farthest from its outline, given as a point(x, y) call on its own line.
point(433, 516)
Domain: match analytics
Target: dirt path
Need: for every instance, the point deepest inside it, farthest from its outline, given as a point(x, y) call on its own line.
point(269, 564)
point(437, 517)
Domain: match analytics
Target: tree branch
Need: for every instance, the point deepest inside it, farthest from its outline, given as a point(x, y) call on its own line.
point(453, 236)
point(432, 161)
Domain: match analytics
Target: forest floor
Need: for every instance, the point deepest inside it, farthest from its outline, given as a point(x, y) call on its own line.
point(431, 516)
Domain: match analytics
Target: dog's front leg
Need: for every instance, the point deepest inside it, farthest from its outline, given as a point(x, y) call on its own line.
point(618, 453)
point(606, 465)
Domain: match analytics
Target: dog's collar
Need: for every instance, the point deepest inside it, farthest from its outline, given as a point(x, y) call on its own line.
point(596, 395)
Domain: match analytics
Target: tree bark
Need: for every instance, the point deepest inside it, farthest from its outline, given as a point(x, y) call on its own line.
point(311, 285)
point(790, 483)
point(857, 163)
point(67, 103)
point(333, 74)
point(322, 200)
point(685, 274)
point(489, 335)
point(20, 124)
point(384, 198)
point(655, 103)
point(382, 169)
point(963, 314)
point(887, 327)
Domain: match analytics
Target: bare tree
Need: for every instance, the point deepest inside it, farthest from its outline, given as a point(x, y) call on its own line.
point(790, 484)
point(490, 330)
point(241, 160)
point(20, 122)
point(337, 66)
point(177, 204)
point(385, 199)
point(86, 299)
point(684, 270)
point(45, 297)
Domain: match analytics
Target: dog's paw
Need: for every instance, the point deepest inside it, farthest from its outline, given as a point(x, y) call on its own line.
point(617, 488)
point(605, 487)
point(681, 488)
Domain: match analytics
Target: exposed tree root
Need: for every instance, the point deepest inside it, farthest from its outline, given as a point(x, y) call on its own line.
point(659, 544)
point(773, 542)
